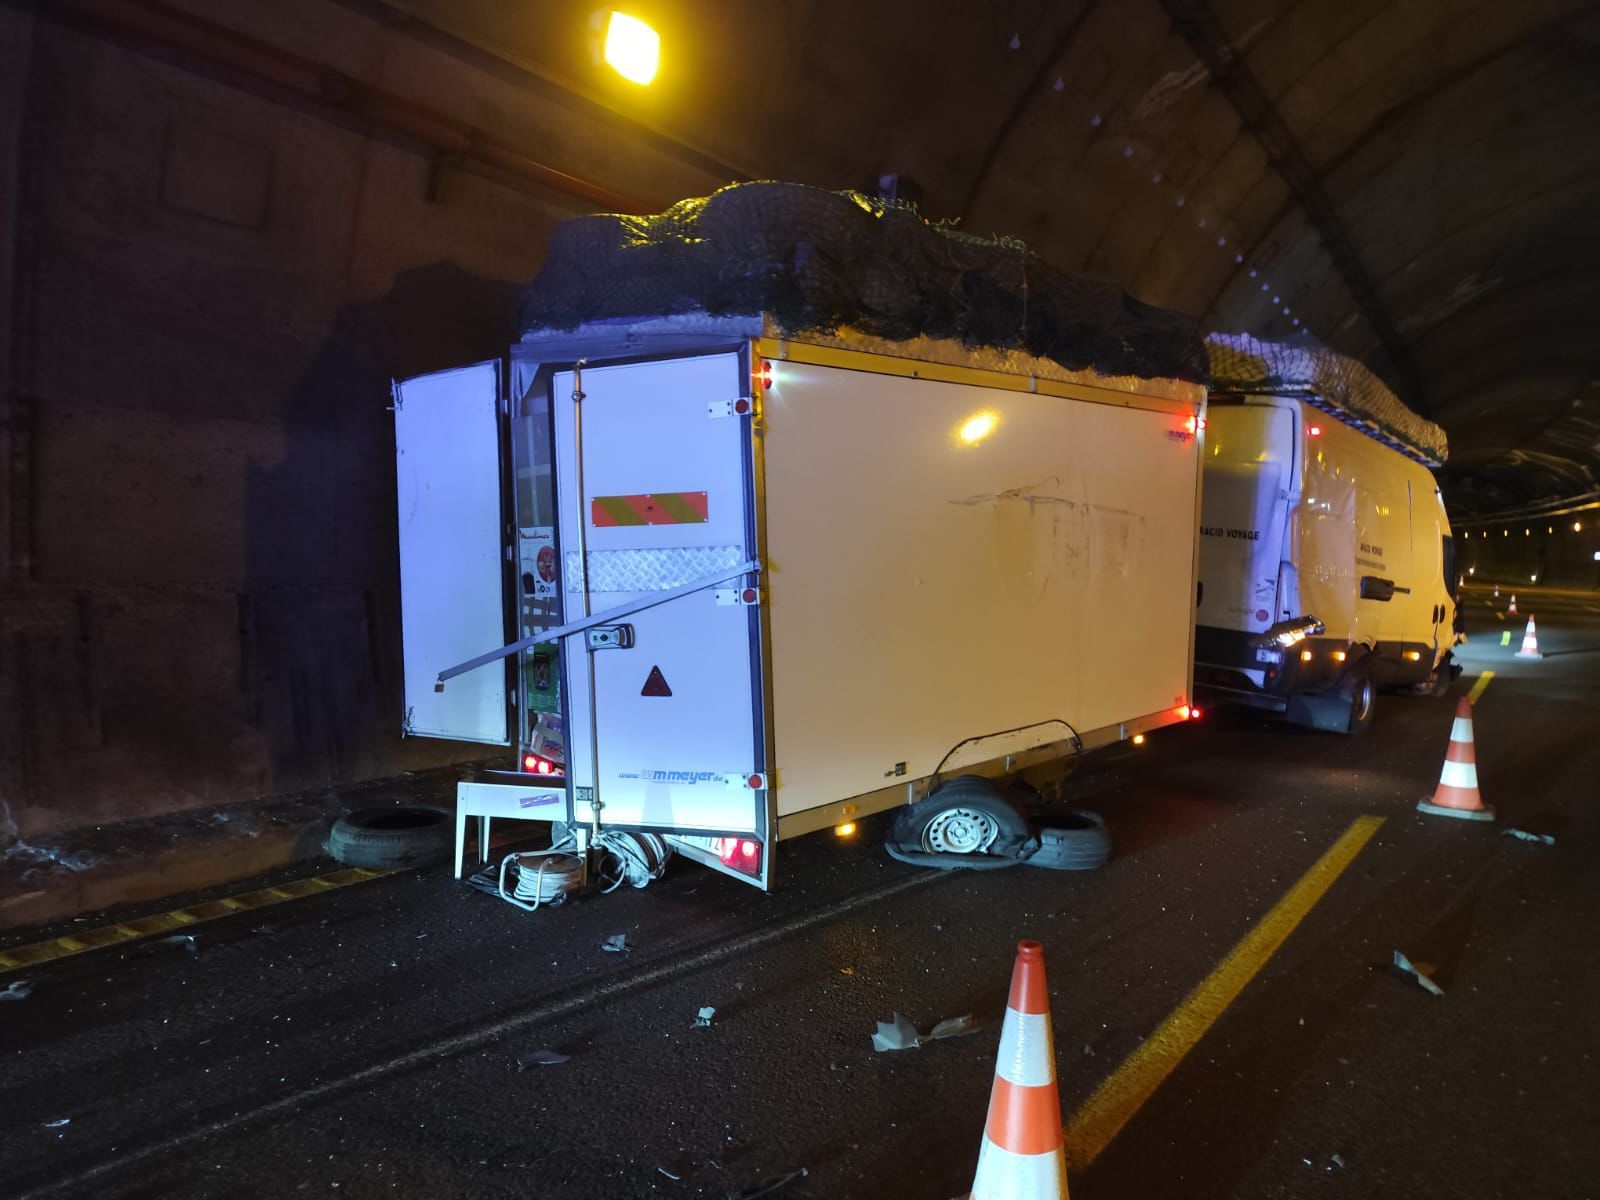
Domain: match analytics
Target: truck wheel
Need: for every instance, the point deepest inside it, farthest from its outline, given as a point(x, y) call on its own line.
point(966, 818)
point(1363, 696)
point(386, 839)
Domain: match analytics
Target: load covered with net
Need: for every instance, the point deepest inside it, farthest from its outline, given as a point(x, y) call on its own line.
point(811, 261)
point(1340, 386)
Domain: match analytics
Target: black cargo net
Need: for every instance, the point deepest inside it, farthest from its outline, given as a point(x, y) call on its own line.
point(815, 260)
point(1337, 384)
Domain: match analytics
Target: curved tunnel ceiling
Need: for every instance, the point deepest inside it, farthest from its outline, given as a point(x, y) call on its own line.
point(1417, 182)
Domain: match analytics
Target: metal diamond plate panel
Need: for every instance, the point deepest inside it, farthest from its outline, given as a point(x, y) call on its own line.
point(653, 570)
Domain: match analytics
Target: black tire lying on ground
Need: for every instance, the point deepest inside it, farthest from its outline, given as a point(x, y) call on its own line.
point(384, 839)
point(1078, 842)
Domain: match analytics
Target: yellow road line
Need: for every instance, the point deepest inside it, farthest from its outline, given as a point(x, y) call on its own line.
point(1115, 1101)
point(164, 922)
point(1477, 688)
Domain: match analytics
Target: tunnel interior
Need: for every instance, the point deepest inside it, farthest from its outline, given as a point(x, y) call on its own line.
point(227, 229)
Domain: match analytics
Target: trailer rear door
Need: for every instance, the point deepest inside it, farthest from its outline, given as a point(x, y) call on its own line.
point(655, 483)
point(452, 561)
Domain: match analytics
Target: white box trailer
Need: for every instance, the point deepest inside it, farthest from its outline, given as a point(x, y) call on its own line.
point(1326, 559)
point(799, 581)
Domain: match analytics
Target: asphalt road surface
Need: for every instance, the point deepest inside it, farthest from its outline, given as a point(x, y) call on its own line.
point(365, 1042)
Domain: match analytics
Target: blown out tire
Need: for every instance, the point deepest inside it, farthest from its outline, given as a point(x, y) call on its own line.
point(967, 816)
point(386, 839)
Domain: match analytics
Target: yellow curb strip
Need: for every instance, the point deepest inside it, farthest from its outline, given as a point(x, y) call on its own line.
point(132, 930)
point(1115, 1101)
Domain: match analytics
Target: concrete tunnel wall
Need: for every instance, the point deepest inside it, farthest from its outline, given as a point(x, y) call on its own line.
point(1545, 551)
point(206, 291)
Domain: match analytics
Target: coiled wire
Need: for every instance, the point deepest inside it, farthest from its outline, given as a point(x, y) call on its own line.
point(543, 876)
point(631, 858)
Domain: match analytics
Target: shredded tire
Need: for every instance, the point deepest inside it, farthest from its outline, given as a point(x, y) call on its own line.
point(387, 839)
point(1080, 843)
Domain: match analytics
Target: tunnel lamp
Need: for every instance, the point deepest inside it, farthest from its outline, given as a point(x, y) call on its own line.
point(1577, 527)
point(1472, 570)
point(633, 49)
point(1533, 579)
point(1527, 533)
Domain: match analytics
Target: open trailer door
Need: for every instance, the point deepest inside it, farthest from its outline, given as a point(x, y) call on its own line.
point(655, 492)
point(452, 560)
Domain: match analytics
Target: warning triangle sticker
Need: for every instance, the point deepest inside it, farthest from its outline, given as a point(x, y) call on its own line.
point(655, 684)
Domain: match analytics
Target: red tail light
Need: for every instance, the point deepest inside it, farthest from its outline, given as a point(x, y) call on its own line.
point(739, 854)
point(535, 764)
point(1194, 714)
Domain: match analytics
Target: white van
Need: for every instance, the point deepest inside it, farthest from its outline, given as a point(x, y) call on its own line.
point(1326, 560)
point(793, 581)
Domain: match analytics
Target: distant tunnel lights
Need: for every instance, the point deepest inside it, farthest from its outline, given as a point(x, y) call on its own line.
point(633, 49)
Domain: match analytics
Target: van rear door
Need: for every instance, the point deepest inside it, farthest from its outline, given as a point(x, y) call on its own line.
point(655, 482)
point(1249, 465)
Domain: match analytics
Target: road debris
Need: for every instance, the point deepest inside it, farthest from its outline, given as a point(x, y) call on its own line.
point(58, 1123)
point(768, 1186)
point(900, 1034)
point(1416, 974)
point(616, 944)
point(184, 940)
point(702, 1019)
point(542, 1058)
point(1525, 836)
point(952, 1027)
point(669, 1174)
point(21, 989)
point(896, 1034)
point(1335, 1160)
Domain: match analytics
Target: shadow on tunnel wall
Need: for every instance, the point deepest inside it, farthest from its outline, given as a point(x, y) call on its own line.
point(319, 619)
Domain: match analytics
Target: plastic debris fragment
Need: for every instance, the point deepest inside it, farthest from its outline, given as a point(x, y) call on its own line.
point(542, 1058)
point(20, 989)
point(901, 1034)
point(953, 1027)
point(702, 1019)
point(1523, 835)
point(58, 1123)
point(616, 943)
point(1416, 974)
point(896, 1034)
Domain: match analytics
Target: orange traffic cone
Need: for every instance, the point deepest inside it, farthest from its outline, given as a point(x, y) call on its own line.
point(1024, 1155)
point(1457, 793)
point(1511, 609)
point(1530, 642)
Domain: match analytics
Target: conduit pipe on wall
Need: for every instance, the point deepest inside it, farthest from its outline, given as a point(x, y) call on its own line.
point(163, 27)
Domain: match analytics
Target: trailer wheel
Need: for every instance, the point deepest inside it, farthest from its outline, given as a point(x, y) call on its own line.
point(385, 839)
point(1363, 698)
point(966, 819)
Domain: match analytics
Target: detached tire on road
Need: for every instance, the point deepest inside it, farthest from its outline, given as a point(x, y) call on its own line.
point(386, 839)
point(1079, 841)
